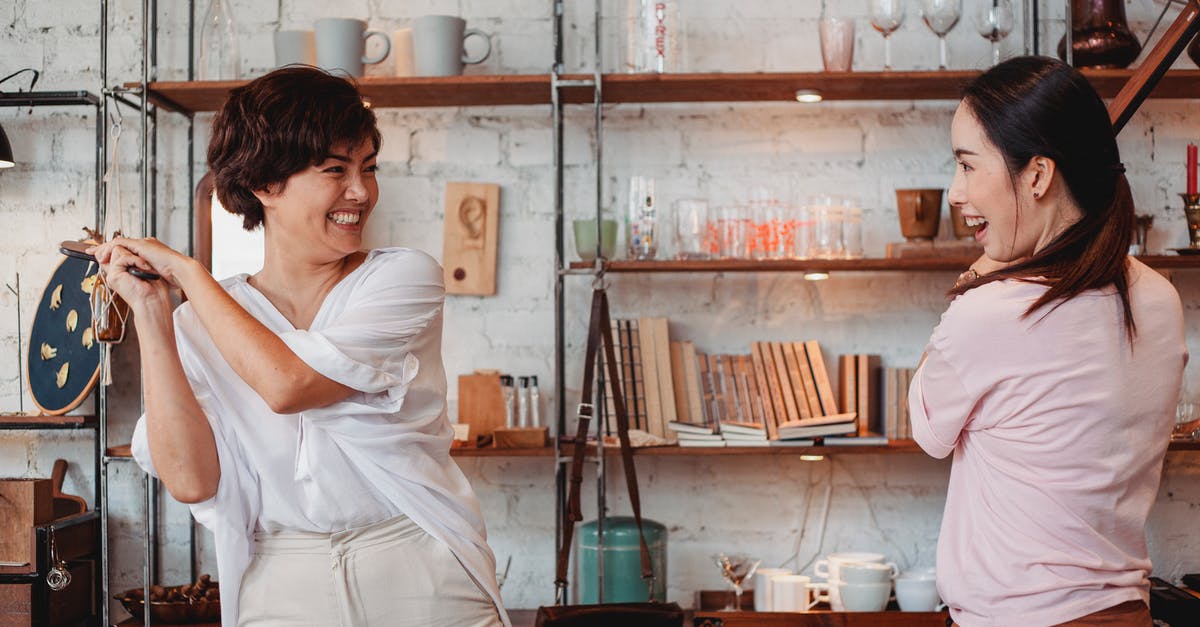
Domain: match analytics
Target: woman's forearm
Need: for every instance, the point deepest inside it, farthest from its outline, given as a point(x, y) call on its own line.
point(256, 354)
point(181, 440)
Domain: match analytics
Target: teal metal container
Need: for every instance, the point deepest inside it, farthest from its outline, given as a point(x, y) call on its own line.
point(622, 561)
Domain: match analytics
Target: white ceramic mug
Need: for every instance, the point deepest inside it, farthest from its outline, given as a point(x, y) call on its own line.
point(295, 46)
point(762, 587)
point(439, 45)
point(917, 592)
point(865, 572)
point(863, 597)
point(792, 593)
point(402, 50)
point(829, 568)
point(342, 45)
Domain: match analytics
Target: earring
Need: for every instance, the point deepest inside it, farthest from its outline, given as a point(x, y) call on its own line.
point(1036, 195)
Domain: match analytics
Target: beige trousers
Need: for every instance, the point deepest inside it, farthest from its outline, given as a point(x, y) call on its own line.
point(390, 574)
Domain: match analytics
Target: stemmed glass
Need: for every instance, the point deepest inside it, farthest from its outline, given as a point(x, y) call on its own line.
point(736, 568)
point(886, 17)
point(941, 16)
point(994, 21)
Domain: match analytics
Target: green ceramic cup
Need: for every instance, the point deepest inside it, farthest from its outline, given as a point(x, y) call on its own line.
point(585, 238)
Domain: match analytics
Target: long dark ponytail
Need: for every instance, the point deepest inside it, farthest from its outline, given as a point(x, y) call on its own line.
point(1040, 107)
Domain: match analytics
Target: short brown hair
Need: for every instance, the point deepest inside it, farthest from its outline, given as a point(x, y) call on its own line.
point(277, 125)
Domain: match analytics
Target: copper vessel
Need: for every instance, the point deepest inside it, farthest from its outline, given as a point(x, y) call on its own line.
point(1100, 35)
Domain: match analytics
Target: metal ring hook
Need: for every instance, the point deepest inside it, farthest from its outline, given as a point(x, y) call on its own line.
point(600, 281)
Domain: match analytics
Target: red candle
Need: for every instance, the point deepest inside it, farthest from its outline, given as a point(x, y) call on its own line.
point(1191, 168)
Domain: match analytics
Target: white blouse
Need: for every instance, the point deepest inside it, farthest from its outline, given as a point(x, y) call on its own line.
point(381, 452)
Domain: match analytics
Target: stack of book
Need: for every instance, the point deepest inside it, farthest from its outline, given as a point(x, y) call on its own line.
point(779, 394)
point(895, 403)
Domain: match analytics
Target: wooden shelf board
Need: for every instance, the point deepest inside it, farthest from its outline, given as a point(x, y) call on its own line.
point(1184, 445)
point(935, 264)
point(24, 421)
point(383, 92)
point(544, 451)
point(123, 451)
point(137, 622)
point(820, 618)
point(534, 89)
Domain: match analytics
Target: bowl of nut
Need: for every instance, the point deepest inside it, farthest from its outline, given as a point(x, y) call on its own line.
point(198, 602)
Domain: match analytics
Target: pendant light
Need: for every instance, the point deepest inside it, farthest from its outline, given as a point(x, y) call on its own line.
point(6, 154)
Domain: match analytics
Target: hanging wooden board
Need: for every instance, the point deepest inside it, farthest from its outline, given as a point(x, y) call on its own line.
point(471, 232)
point(63, 360)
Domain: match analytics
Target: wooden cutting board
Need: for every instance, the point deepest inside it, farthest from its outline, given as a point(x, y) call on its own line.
point(472, 228)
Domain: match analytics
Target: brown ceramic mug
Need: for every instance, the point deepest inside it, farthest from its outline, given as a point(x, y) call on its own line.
point(920, 212)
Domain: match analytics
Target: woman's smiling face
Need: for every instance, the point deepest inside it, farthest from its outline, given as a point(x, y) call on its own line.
point(1012, 223)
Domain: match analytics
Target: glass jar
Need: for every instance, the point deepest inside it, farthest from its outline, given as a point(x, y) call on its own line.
point(109, 313)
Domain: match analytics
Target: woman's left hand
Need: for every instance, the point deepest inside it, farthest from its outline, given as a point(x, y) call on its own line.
point(163, 260)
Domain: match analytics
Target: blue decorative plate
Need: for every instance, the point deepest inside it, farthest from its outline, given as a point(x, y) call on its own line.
point(63, 364)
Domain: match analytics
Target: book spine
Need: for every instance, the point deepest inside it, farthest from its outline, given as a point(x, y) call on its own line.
point(666, 379)
point(806, 377)
point(816, 361)
point(797, 382)
point(764, 390)
point(848, 390)
point(654, 418)
point(786, 390)
point(692, 380)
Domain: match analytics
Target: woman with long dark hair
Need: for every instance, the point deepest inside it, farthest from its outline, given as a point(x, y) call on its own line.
point(1054, 373)
point(301, 410)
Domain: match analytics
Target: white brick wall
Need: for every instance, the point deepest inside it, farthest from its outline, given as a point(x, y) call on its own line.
point(890, 503)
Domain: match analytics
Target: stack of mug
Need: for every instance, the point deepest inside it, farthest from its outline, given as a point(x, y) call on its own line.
point(854, 582)
point(435, 45)
point(858, 582)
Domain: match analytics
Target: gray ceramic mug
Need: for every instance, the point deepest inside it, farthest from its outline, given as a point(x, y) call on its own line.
point(342, 45)
point(439, 45)
point(295, 46)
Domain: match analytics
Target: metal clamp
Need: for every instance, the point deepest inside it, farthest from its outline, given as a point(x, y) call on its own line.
point(585, 411)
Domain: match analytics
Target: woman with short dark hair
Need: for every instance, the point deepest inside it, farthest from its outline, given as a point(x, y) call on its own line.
point(301, 411)
point(1054, 373)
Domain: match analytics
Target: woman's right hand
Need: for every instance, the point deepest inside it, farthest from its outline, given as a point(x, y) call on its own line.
point(115, 261)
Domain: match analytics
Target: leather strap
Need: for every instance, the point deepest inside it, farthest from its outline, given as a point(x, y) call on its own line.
point(599, 336)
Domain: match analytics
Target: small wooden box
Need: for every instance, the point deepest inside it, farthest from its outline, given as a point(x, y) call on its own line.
point(522, 437)
point(24, 504)
point(36, 605)
point(26, 600)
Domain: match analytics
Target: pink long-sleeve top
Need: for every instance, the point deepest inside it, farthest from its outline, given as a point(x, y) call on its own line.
point(1058, 427)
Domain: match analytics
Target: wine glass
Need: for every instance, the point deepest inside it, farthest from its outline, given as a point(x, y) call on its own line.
point(736, 568)
point(941, 16)
point(994, 21)
point(886, 17)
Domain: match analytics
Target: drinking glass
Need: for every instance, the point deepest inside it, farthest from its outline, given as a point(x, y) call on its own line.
point(886, 17)
point(736, 568)
point(994, 21)
point(852, 239)
point(642, 220)
point(837, 43)
point(732, 236)
point(827, 216)
point(691, 228)
point(941, 16)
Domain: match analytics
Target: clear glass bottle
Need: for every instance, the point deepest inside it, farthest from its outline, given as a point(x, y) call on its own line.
point(219, 59)
point(641, 223)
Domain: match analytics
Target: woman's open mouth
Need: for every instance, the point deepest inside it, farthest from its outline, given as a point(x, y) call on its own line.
point(979, 223)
